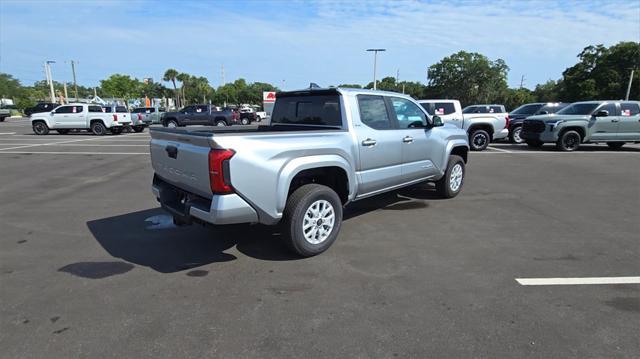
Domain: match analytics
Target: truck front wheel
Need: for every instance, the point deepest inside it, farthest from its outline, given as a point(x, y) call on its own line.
point(312, 219)
point(40, 128)
point(569, 141)
point(451, 183)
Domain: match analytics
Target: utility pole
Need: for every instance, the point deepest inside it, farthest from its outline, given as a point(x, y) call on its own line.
point(47, 67)
point(626, 98)
point(75, 84)
point(375, 64)
point(66, 96)
point(521, 81)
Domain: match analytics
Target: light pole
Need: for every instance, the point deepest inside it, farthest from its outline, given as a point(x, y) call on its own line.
point(375, 62)
point(50, 78)
point(626, 98)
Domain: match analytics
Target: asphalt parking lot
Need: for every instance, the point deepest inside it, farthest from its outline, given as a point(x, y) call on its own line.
point(91, 267)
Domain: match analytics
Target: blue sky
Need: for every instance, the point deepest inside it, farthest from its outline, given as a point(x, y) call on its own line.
point(292, 43)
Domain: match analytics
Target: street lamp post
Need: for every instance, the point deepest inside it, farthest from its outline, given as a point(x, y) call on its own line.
point(375, 62)
point(50, 78)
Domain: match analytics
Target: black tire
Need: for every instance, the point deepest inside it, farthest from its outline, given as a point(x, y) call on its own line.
point(221, 123)
point(63, 132)
point(138, 129)
point(98, 128)
point(569, 141)
point(298, 203)
point(2, 119)
point(171, 123)
point(40, 128)
point(534, 143)
point(615, 145)
point(514, 135)
point(479, 140)
point(245, 121)
point(258, 119)
point(116, 130)
point(447, 187)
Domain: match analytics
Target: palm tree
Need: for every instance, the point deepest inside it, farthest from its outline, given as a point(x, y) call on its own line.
point(171, 75)
point(184, 78)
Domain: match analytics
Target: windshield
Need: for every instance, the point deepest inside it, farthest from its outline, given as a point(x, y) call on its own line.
point(526, 109)
point(578, 109)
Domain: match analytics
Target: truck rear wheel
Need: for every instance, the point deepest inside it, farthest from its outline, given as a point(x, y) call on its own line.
point(221, 123)
point(615, 145)
point(245, 121)
point(479, 140)
point(451, 183)
point(98, 128)
point(138, 128)
point(312, 219)
point(40, 128)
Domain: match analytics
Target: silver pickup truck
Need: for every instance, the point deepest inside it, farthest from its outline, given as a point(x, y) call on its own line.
point(323, 149)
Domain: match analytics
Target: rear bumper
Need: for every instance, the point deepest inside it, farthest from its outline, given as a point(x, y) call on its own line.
point(187, 207)
point(504, 133)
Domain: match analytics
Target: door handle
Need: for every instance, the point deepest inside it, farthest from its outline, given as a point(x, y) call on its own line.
point(407, 139)
point(369, 142)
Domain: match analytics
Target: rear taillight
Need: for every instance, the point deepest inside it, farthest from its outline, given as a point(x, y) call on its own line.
point(506, 122)
point(115, 117)
point(139, 117)
point(219, 176)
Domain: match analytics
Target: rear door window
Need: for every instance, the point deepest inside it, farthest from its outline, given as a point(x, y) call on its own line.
point(373, 112)
point(95, 109)
point(444, 108)
point(496, 109)
point(317, 110)
point(629, 109)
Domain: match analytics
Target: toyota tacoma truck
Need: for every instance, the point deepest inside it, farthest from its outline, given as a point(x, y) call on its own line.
point(483, 123)
point(323, 149)
point(612, 122)
point(79, 116)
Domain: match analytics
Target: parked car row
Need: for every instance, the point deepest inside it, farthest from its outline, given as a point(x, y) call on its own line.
point(612, 122)
point(566, 125)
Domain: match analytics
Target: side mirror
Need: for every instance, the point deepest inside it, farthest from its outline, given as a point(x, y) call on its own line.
point(53, 113)
point(437, 121)
point(544, 112)
point(602, 113)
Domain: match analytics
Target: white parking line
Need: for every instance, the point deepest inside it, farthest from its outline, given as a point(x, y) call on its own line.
point(7, 133)
point(577, 281)
point(72, 153)
point(53, 143)
point(74, 145)
point(498, 149)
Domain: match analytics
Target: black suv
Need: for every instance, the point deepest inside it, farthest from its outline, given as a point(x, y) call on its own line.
point(40, 107)
point(517, 116)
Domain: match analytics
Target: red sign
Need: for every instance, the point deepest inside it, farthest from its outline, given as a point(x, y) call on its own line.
point(269, 96)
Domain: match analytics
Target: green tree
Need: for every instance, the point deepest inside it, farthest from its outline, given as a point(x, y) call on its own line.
point(516, 97)
point(602, 73)
point(469, 77)
point(170, 75)
point(548, 91)
point(121, 86)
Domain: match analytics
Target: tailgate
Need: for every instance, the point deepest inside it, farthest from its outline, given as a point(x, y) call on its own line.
point(182, 159)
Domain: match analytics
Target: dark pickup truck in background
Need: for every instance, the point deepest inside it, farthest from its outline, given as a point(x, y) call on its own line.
point(200, 115)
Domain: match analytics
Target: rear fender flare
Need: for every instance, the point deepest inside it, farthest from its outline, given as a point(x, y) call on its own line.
point(293, 167)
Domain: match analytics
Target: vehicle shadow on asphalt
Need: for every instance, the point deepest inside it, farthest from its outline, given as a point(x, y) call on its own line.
point(149, 238)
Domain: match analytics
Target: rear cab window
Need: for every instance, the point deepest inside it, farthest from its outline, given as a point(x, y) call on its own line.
point(629, 109)
point(443, 108)
point(121, 109)
point(308, 109)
